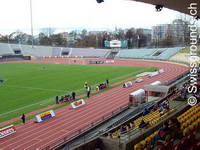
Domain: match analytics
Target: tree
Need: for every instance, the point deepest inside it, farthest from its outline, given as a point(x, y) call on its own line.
point(83, 33)
point(44, 40)
point(129, 36)
point(4, 38)
point(58, 40)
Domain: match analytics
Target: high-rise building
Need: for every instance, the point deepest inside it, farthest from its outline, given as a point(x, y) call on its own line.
point(178, 31)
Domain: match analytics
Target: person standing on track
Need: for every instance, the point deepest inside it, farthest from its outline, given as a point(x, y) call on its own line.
point(73, 95)
point(23, 117)
point(107, 82)
point(1, 80)
point(86, 85)
point(57, 100)
point(88, 91)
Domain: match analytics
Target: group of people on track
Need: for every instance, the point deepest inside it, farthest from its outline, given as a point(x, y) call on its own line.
point(69, 97)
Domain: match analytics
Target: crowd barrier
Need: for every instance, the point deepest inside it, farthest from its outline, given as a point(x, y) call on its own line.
point(78, 103)
point(128, 84)
point(45, 116)
point(4, 132)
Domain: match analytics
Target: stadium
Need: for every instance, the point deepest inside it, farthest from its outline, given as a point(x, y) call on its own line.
point(100, 99)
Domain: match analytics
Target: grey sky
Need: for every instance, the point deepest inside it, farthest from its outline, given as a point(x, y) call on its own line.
point(15, 14)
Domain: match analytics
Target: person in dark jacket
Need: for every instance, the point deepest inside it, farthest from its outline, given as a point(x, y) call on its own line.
point(107, 82)
point(73, 95)
point(143, 124)
point(86, 85)
point(23, 117)
point(146, 111)
point(88, 91)
point(1, 80)
point(57, 100)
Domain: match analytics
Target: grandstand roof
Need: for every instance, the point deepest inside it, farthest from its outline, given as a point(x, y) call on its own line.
point(181, 6)
point(156, 88)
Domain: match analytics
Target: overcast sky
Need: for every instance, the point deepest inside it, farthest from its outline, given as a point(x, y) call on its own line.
point(15, 14)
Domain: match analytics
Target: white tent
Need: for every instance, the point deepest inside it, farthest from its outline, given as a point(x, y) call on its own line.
point(156, 83)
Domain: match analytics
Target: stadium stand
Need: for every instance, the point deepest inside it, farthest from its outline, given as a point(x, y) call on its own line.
point(135, 53)
point(181, 119)
point(154, 117)
point(183, 56)
point(47, 51)
point(37, 51)
point(156, 53)
point(5, 49)
point(88, 52)
point(56, 51)
point(190, 122)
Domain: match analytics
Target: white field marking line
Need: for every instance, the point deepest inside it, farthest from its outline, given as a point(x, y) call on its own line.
point(50, 99)
point(41, 102)
point(32, 88)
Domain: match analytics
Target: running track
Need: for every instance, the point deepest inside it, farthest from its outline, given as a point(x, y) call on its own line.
point(32, 136)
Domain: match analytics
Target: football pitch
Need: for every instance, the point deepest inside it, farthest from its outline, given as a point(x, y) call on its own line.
point(31, 86)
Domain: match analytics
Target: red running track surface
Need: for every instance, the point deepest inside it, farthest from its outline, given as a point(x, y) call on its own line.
point(67, 121)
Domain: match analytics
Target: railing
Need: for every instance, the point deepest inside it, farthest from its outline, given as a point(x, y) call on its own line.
point(177, 78)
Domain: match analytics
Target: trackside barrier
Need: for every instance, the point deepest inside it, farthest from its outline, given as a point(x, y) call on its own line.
point(78, 103)
point(78, 132)
point(4, 132)
point(128, 84)
point(45, 116)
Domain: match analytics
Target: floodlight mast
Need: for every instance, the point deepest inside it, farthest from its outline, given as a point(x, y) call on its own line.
point(31, 17)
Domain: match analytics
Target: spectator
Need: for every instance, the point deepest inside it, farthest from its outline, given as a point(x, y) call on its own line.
point(57, 101)
point(174, 127)
point(122, 129)
point(23, 117)
point(131, 125)
point(67, 97)
point(1, 80)
point(166, 104)
point(163, 134)
point(124, 85)
point(85, 85)
point(97, 88)
point(146, 111)
point(155, 107)
point(163, 108)
point(88, 91)
point(107, 82)
point(62, 99)
point(143, 124)
point(73, 95)
point(127, 128)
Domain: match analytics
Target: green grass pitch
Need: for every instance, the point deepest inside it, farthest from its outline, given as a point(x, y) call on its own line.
point(30, 86)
